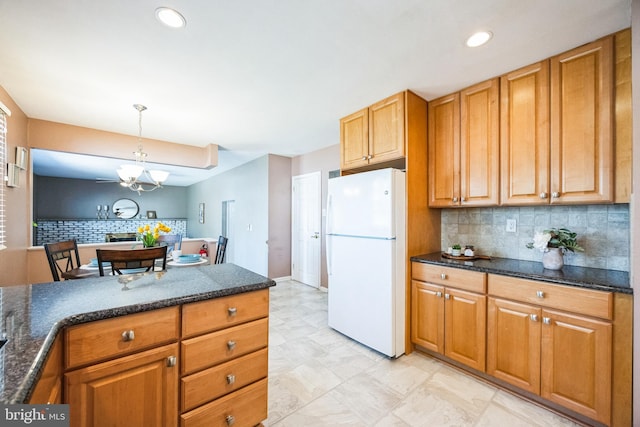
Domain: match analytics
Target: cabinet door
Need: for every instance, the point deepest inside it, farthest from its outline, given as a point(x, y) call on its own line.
point(524, 136)
point(465, 327)
point(581, 124)
point(513, 343)
point(427, 316)
point(576, 363)
point(48, 389)
point(479, 144)
point(444, 151)
point(354, 140)
point(386, 129)
point(136, 390)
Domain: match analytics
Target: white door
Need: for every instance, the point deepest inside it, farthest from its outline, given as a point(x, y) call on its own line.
point(306, 232)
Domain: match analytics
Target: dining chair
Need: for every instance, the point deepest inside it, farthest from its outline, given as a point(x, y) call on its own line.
point(172, 241)
point(64, 260)
point(221, 249)
point(128, 259)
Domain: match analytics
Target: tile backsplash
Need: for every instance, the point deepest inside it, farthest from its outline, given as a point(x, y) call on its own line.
point(603, 232)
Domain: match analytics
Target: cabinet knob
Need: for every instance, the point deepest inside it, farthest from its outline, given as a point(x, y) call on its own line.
point(455, 200)
point(369, 157)
point(533, 317)
point(543, 195)
point(464, 199)
point(231, 379)
point(447, 296)
point(128, 335)
point(364, 157)
point(546, 320)
point(171, 361)
point(443, 276)
point(232, 311)
point(231, 344)
point(555, 194)
point(231, 420)
point(439, 294)
point(540, 294)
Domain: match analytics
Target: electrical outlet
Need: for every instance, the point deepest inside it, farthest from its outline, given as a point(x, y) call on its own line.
point(511, 226)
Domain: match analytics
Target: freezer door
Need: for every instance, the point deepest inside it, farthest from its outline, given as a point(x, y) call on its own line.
point(366, 301)
point(363, 204)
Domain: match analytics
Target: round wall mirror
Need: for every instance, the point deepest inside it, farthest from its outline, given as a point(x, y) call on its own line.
point(125, 208)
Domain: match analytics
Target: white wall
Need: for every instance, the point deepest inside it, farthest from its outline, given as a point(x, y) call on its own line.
point(248, 186)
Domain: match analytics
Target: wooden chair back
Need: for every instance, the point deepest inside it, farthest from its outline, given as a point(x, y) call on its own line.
point(64, 260)
point(127, 259)
point(221, 249)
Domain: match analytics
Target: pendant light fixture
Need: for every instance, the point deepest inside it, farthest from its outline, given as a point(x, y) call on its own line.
point(131, 173)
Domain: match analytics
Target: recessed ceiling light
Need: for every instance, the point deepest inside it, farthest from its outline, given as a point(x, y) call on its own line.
point(170, 18)
point(479, 38)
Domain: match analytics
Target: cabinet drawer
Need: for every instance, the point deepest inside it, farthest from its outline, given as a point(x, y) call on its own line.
point(212, 383)
point(449, 276)
point(104, 339)
point(219, 313)
point(245, 407)
point(578, 300)
point(217, 347)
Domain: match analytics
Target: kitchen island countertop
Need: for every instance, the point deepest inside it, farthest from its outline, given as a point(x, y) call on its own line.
point(583, 277)
point(32, 315)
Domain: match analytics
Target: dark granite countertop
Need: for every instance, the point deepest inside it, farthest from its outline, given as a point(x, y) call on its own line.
point(583, 277)
point(32, 315)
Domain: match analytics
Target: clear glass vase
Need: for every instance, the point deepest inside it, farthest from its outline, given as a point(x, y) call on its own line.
point(552, 259)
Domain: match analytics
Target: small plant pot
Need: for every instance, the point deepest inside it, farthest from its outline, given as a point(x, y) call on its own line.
point(456, 252)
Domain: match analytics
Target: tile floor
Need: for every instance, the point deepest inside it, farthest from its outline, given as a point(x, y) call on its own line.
point(318, 377)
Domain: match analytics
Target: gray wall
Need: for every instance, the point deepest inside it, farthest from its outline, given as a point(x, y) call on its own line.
point(249, 187)
point(63, 198)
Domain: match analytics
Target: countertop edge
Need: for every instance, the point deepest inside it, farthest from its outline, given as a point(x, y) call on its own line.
point(437, 259)
point(27, 386)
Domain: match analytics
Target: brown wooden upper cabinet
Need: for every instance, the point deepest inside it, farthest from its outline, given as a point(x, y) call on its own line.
point(463, 144)
point(557, 129)
point(373, 135)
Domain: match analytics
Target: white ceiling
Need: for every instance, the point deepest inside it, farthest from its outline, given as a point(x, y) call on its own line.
point(260, 76)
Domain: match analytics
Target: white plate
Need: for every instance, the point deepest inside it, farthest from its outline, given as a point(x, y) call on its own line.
point(187, 264)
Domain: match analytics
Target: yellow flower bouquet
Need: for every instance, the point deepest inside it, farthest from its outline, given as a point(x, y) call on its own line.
point(149, 236)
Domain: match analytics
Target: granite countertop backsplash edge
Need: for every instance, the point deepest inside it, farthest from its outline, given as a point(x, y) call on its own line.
point(582, 277)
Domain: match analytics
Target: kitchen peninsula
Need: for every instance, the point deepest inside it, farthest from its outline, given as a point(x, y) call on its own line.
point(202, 317)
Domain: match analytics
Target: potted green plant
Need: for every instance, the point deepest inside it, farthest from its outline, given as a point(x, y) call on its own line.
point(456, 250)
point(554, 243)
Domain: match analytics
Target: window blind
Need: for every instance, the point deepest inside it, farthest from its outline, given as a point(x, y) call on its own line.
point(3, 157)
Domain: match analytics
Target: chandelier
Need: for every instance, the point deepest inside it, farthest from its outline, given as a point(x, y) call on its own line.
point(136, 176)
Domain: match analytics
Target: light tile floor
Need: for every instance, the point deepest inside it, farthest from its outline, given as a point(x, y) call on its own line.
point(319, 377)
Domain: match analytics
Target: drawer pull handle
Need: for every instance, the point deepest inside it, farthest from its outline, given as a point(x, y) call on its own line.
point(540, 294)
point(533, 317)
point(171, 361)
point(231, 344)
point(439, 294)
point(231, 420)
point(128, 335)
point(231, 379)
point(447, 296)
point(546, 320)
point(443, 276)
point(232, 311)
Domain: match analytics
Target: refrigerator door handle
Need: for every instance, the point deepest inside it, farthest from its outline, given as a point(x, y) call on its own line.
point(328, 253)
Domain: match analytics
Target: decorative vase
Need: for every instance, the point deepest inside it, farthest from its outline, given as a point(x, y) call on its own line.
point(552, 259)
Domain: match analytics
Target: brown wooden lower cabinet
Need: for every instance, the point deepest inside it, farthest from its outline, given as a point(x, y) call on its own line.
point(123, 372)
point(569, 346)
point(136, 390)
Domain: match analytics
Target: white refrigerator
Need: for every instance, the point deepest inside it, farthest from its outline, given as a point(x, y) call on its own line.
point(365, 238)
